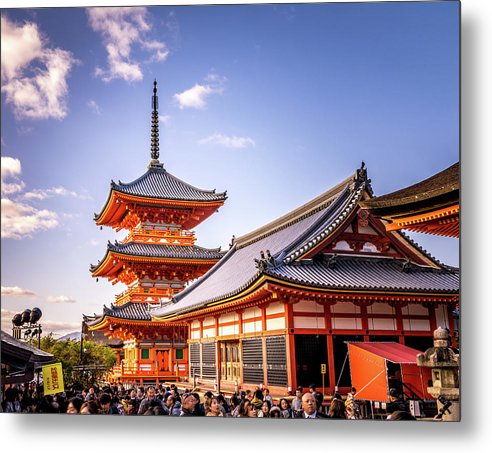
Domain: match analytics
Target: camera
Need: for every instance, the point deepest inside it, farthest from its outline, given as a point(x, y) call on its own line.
point(446, 404)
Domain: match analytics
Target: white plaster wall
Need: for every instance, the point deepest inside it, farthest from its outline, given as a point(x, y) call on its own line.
point(255, 326)
point(342, 245)
point(274, 308)
point(308, 306)
point(210, 332)
point(415, 309)
point(208, 322)
point(308, 322)
point(345, 307)
point(228, 317)
point(275, 323)
point(346, 323)
point(251, 313)
point(416, 324)
point(229, 330)
point(381, 324)
point(195, 334)
point(381, 308)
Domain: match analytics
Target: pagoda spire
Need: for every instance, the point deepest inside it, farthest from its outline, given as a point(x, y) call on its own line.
point(154, 133)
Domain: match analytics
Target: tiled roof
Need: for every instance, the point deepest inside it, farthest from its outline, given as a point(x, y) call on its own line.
point(441, 184)
point(165, 251)
point(274, 250)
point(237, 269)
point(372, 274)
point(131, 310)
point(240, 267)
point(158, 183)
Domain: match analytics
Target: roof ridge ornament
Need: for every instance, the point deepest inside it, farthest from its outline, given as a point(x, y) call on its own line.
point(154, 131)
point(361, 178)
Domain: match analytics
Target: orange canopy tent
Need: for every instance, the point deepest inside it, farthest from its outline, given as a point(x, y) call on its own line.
point(369, 370)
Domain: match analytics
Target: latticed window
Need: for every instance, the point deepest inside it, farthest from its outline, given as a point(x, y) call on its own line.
point(144, 354)
point(179, 354)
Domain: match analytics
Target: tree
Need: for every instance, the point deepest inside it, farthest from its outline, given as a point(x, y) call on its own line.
point(69, 353)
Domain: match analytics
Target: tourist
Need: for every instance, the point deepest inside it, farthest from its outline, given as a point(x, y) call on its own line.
point(267, 396)
point(74, 405)
point(150, 401)
point(351, 407)
point(396, 402)
point(107, 406)
point(172, 406)
point(285, 409)
point(89, 408)
point(188, 403)
point(257, 400)
point(247, 409)
point(265, 409)
point(275, 412)
point(214, 408)
point(296, 404)
point(308, 407)
point(337, 409)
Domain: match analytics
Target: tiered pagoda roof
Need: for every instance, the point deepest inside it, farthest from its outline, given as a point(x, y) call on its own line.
point(429, 206)
point(157, 253)
point(287, 251)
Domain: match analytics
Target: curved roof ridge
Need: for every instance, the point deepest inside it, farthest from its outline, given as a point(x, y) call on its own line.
point(440, 183)
point(121, 186)
point(341, 203)
point(300, 213)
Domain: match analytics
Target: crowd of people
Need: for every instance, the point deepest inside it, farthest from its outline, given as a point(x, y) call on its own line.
point(169, 401)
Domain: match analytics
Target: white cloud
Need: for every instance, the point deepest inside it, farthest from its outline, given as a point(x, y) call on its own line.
point(228, 142)
point(19, 220)
point(16, 291)
point(164, 119)
point(92, 104)
point(34, 76)
point(40, 194)
point(196, 96)
point(122, 28)
point(11, 169)
point(60, 300)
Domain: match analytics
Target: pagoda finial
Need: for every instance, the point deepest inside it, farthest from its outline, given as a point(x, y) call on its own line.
point(154, 134)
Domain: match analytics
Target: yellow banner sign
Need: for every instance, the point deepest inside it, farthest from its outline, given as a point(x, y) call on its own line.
point(323, 368)
point(53, 379)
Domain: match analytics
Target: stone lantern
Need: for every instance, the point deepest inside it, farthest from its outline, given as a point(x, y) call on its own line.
point(445, 374)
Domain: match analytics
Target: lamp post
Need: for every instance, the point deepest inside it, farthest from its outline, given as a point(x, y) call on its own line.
point(25, 327)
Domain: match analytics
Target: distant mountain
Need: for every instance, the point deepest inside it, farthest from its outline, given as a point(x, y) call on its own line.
point(70, 336)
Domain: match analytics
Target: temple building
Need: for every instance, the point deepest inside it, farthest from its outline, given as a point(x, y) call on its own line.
point(431, 206)
point(155, 261)
point(279, 308)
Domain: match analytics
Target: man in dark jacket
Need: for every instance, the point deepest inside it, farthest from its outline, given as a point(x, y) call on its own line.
point(396, 402)
point(308, 407)
point(150, 402)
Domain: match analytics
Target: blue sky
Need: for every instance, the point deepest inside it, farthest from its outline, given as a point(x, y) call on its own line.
point(273, 103)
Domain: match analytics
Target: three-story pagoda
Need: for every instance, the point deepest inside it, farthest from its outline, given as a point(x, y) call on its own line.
point(155, 261)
